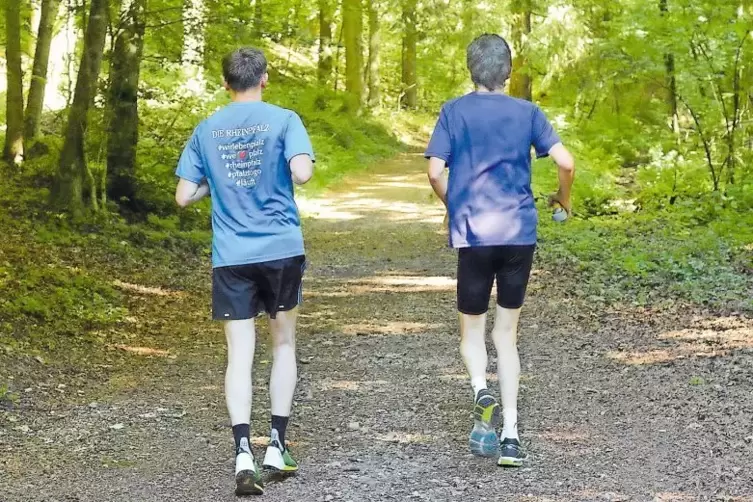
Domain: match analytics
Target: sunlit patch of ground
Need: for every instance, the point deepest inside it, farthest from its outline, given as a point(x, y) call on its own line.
point(709, 338)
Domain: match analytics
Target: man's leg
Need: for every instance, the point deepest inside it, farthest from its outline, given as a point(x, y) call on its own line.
point(284, 376)
point(241, 338)
point(234, 301)
point(475, 279)
point(285, 294)
point(505, 337)
point(512, 281)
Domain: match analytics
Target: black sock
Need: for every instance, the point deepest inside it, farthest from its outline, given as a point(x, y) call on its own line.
point(241, 431)
point(280, 424)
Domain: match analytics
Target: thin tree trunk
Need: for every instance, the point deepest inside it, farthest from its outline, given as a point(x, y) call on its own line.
point(352, 32)
point(194, 20)
point(258, 19)
point(324, 66)
point(671, 96)
point(123, 111)
point(521, 84)
point(39, 72)
point(372, 68)
point(409, 97)
point(68, 191)
point(13, 150)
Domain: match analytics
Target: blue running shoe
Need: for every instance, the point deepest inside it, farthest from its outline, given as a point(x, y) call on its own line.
point(483, 440)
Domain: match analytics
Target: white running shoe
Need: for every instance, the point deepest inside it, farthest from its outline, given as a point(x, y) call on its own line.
point(278, 459)
point(247, 477)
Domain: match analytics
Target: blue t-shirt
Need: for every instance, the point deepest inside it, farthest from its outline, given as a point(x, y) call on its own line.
point(485, 140)
point(243, 151)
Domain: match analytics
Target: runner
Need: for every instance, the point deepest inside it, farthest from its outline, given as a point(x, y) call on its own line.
point(485, 139)
point(247, 156)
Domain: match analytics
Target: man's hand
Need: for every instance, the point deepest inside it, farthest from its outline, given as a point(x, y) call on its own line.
point(558, 198)
point(565, 174)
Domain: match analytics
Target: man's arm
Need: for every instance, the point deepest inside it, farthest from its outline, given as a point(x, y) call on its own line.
point(566, 174)
point(437, 178)
point(301, 168)
point(188, 192)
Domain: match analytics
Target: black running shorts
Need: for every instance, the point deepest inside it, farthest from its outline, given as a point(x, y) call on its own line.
point(479, 266)
point(245, 291)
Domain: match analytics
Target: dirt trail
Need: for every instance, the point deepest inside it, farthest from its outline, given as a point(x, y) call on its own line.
point(616, 404)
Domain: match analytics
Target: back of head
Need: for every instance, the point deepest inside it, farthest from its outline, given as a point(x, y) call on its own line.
point(244, 68)
point(489, 61)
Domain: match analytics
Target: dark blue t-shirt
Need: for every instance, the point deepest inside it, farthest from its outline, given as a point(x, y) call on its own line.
point(243, 151)
point(486, 139)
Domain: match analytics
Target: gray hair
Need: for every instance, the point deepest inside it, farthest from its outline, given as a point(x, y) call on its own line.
point(244, 68)
point(489, 61)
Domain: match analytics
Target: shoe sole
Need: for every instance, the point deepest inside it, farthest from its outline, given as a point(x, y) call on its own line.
point(483, 441)
point(246, 484)
point(277, 470)
point(509, 462)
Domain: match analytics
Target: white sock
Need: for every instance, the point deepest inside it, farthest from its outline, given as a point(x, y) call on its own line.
point(510, 423)
point(478, 383)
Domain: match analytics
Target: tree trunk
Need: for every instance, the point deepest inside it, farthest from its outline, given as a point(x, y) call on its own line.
point(258, 19)
point(409, 97)
point(13, 150)
point(194, 19)
point(352, 32)
point(324, 66)
point(39, 72)
point(68, 191)
point(521, 84)
point(123, 113)
point(671, 97)
point(372, 68)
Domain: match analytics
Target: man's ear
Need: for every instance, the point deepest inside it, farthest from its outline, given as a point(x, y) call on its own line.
point(225, 84)
point(264, 80)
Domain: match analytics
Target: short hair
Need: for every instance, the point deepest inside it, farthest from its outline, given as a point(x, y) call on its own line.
point(244, 68)
point(489, 61)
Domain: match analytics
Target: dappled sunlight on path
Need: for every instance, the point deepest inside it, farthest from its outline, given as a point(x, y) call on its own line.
point(398, 192)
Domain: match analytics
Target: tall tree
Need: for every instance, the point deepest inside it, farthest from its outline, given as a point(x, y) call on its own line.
point(521, 84)
point(123, 109)
point(194, 19)
point(372, 67)
point(68, 191)
point(324, 66)
point(352, 33)
point(13, 150)
point(258, 19)
point(669, 65)
point(39, 72)
point(409, 96)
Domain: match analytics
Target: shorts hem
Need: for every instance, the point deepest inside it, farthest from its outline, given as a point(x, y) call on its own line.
point(511, 306)
point(465, 312)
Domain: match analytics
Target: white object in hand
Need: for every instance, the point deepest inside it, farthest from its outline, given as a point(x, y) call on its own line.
point(559, 214)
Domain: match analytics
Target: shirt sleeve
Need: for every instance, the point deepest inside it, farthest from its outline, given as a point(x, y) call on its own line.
point(544, 136)
point(440, 145)
point(191, 163)
point(297, 141)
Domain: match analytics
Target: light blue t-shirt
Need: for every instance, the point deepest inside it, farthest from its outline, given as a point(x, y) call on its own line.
point(243, 151)
point(485, 140)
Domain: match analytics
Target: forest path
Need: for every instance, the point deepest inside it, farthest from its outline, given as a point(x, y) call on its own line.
point(617, 404)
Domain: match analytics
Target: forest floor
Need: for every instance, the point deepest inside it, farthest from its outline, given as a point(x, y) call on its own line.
point(617, 403)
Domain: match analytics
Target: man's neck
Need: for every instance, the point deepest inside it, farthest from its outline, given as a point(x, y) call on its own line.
point(246, 96)
point(483, 90)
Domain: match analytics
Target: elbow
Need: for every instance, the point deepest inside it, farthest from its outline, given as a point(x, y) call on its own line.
point(568, 165)
point(434, 177)
point(303, 178)
point(181, 200)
